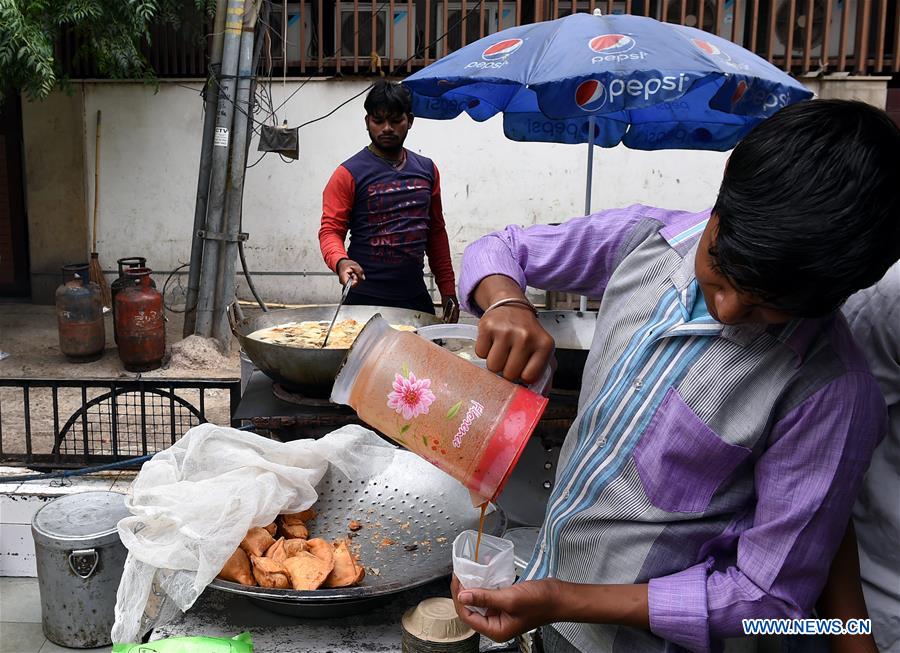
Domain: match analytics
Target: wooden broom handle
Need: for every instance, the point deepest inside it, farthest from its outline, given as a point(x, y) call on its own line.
point(96, 182)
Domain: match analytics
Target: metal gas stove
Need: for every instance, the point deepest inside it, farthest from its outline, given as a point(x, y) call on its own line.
point(286, 415)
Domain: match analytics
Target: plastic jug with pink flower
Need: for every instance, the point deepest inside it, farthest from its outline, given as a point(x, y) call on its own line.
point(462, 418)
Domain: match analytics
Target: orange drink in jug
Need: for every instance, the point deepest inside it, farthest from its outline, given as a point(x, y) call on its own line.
point(462, 418)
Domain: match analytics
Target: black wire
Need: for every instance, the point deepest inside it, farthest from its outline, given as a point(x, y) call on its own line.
point(400, 65)
point(261, 157)
point(345, 102)
point(165, 289)
point(249, 278)
point(90, 470)
point(272, 113)
point(333, 54)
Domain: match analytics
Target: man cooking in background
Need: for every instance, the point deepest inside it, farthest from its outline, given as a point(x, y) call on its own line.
point(389, 198)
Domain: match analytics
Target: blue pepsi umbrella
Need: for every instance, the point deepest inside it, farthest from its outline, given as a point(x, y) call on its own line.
point(621, 78)
point(605, 80)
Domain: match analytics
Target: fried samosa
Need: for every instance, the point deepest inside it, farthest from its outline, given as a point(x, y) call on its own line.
point(237, 569)
point(294, 531)
point(307, 571)
point(269, 573)
point(303, 516)
point(277, 551)
point(293, 547)
point(347, 572)
point(257, 541)
point(322, 549)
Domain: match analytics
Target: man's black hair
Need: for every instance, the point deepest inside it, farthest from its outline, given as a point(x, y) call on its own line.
point(389, 98)
point(809, 207)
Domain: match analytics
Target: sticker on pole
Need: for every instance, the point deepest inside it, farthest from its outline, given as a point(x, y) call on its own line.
point(221, 137)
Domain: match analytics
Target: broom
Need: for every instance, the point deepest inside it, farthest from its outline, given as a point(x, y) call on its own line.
point(96, 269)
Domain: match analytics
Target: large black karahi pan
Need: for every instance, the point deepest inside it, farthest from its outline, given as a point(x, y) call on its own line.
point(310, 371)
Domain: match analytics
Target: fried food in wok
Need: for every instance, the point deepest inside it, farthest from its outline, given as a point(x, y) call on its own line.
point(311, 334)
point(269, 573)
point(237, 569)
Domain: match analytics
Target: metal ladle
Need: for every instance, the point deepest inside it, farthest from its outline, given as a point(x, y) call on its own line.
point(347, 286)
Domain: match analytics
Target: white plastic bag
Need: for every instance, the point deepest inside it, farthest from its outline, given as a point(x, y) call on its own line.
point(495, 567)
point(193, 503)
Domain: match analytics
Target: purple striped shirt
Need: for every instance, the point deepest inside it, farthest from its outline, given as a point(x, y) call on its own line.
point(718, 463)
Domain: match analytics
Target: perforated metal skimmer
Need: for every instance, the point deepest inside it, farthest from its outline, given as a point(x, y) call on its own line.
point(409, 516)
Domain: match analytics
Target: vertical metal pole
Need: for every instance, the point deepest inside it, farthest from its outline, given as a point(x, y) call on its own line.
point(582, 302)
point(174, 435)
point(209, 127)
point(234, 394)
point(235, 192)
point(56, 439)
point(114, 419)
point(219, 174)
point(26, 409)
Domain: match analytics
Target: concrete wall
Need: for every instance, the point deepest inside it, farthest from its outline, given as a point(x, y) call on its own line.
point(150, 154)
point(872, 90)
point(55, 178)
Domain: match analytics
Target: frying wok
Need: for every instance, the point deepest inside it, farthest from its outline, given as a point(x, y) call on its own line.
point(310, 371)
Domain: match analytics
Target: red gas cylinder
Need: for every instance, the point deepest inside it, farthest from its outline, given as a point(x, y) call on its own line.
point(79, 314)
point(140, 322)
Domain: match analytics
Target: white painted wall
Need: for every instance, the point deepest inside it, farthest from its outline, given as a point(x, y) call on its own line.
point(150, 153)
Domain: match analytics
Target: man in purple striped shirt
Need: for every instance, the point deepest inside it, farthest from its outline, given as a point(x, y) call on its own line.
point(726, 416)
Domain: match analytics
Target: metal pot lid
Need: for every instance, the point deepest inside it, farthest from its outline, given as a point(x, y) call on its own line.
point(81, 516)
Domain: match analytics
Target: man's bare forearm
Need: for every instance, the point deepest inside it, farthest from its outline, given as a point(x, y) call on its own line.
point(626, 605)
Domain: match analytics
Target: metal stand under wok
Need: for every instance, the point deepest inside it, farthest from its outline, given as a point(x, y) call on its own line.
point(286, 415)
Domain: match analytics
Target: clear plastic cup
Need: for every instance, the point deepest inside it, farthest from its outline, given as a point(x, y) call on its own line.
point(462, 418)
point(494, 569)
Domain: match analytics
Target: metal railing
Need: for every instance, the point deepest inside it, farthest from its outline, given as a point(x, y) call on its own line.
point(327, 37)
point(800, 36)
point(65, 423)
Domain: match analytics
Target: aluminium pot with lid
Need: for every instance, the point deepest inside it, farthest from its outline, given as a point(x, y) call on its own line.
point(79, 564)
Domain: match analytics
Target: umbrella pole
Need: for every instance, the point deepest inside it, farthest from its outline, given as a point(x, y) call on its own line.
point(582, 304)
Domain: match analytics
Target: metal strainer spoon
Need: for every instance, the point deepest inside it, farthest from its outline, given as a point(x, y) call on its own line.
point(344, 294)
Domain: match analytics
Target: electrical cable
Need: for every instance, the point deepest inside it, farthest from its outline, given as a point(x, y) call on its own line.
point(165, 289)
point(82, 471)
point(475, 7)
point(75, 472)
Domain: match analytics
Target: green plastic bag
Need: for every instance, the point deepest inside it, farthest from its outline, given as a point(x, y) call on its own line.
point(239, 644)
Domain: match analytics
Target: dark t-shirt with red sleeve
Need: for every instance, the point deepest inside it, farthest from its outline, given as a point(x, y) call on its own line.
point(394, 217)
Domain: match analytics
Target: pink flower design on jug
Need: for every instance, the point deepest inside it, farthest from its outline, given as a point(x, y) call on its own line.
point(410, 397)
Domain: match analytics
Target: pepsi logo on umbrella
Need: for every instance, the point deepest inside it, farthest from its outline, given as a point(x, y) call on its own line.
point(714, 51)
point(611, 44)
point(501, 50)
point(590, 95)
